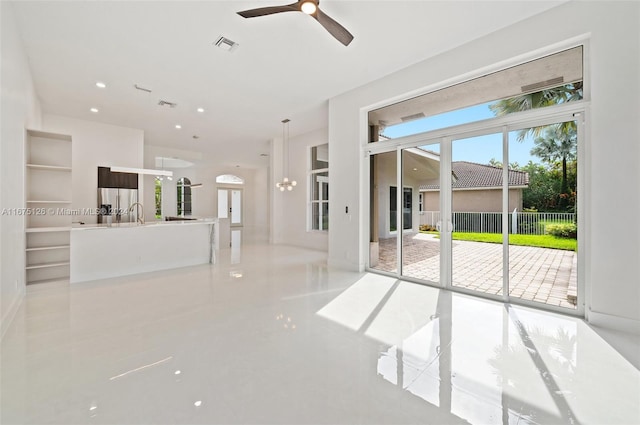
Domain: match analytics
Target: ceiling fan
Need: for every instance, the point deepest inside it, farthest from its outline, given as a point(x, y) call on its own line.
point(311, 8)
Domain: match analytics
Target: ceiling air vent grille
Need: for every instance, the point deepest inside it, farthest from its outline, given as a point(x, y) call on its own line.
point(165, 103)
point(413, 117)
point(542, 84)
point(141, 88)
point(226, 44)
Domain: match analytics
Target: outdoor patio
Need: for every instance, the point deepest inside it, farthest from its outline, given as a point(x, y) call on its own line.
point(539, 274)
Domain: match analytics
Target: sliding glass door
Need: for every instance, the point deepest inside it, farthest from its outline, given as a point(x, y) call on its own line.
point(492, 213)
point(421, 242)
point(476, 213)
point(383, 213)
point(543, 217)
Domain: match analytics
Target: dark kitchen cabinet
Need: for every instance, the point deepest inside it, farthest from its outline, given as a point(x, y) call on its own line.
point(109, 179)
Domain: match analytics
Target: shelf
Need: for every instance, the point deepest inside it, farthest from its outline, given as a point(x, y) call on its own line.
point(47, 229)
point(48, 202)
point(48, 248)
point(47, 265)
point(48, 135)
point(48, 167)
point(46, 284)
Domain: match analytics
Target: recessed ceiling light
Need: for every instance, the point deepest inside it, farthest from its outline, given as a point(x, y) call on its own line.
point(200, 109)
point(178, 126)
point(415, 169)
point(94, 110)
point(101, 85)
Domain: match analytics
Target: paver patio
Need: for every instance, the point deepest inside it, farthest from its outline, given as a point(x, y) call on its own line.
point(538, 274)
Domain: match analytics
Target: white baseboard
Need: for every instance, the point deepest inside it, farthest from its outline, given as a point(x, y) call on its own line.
point(610, 321)
point(11, 314)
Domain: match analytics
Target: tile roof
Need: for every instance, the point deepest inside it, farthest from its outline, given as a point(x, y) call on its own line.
point(470, 175)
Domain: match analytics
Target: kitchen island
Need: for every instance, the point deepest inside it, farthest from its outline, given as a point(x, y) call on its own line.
point(100, 251)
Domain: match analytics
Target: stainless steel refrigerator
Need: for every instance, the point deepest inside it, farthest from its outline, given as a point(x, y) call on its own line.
point(115, 205)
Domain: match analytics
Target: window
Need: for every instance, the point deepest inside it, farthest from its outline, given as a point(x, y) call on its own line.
point(158, 197)
point(319, 190)
point(229, 179)
point(407, 205)
point(540, 83)
point(184, 196)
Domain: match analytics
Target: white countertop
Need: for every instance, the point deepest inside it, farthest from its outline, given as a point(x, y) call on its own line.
point(94, 226)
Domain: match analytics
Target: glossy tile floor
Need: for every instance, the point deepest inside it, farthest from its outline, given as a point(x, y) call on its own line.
point(270, 335)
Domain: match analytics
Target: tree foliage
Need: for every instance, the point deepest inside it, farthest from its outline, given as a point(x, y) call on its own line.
point(553, 96)
point(551, 187)
point(545, 187)
point(558, 145)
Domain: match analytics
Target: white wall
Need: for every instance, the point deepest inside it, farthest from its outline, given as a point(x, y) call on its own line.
point(262, 202)
point(96, 145)
point(290, 225)
point(19, 109)
point(613, 151)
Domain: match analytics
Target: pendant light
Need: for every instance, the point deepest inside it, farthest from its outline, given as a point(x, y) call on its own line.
point(285, 183)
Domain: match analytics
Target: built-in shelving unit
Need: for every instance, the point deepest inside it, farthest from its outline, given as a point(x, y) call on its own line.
point(48, 248)
point(48, 199)
point(48, 167)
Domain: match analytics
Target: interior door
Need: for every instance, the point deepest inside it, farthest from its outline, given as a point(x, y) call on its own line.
point(230, 205)
point(223, 203)
point(236, 207)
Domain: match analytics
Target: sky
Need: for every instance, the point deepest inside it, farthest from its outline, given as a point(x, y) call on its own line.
point(477, 149)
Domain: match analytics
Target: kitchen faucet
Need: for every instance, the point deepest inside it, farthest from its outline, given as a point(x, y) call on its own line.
point(139, 217)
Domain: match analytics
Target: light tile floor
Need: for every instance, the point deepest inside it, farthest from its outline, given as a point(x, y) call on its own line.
point(270, 335)
point(536, 274)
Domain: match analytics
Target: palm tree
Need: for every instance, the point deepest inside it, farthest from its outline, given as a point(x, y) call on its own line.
point(559, 143)
point(553, 96)
point(559, 140)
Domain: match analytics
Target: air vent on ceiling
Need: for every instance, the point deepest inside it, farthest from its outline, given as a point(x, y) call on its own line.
point(141, 88)
point(165, 103)
point(542, 84)
point(226, 44)
point(413, 117)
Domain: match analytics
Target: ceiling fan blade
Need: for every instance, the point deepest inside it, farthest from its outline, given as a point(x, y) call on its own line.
point(334, 28)
point(262, 11)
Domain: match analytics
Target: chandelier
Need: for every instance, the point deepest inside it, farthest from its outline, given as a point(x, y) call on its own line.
point(285, 184)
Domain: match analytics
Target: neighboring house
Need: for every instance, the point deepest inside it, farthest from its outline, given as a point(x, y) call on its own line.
point(476, 188)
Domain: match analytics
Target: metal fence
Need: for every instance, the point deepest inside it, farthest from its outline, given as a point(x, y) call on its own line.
point(525, 223)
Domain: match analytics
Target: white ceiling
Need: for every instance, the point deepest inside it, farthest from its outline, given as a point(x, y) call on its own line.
point(287, 65)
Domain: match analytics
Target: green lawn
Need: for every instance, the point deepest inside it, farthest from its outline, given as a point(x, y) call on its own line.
point(543, 241)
